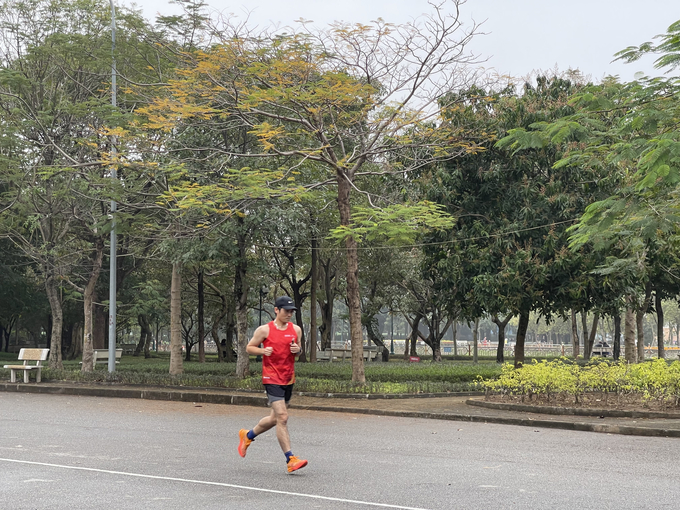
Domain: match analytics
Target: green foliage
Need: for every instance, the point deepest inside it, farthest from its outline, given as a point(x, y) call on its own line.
point(397, 224)
point(656, 379)
point(669, 49)
point(507, 252)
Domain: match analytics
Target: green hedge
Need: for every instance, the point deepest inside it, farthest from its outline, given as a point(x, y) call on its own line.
point(392, 378)
point(655, 379)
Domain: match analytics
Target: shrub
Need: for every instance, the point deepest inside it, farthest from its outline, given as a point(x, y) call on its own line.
point(655, 379)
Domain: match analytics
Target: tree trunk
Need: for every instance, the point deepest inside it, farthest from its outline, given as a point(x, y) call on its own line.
point(455, 338)
point(659, 326)
point(521, 337)
point(639, 319)
point(574, 335)
point(629, 335)
point(214, 332)
point(617, 337)
point(326, 327)
point(230, 331)
point(302, 358)
point(412, 338)
point(475, 342)
point(500, 350)
point(588, 348)
point(76, 349)
point(57, 316)
point(584, 326)
point(373, 333)
point(101, 322)
point(639, 322)
point(144, 336)
point(241, 294)
point(326, 306)
point(88, 307)
point(352, 282)
point(407, 341)
point(149, 336)
point(176, 363)
point(437, 332)
point(201, 318)
point(312, 305)
point(242, 358)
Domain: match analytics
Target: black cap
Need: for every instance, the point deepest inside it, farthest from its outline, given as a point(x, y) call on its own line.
point(285, 303)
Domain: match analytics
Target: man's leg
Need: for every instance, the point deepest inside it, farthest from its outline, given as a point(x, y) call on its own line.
point(265, 423)
point(246, 437)
point(280, 409)
point(280, 414)
point(278, 418)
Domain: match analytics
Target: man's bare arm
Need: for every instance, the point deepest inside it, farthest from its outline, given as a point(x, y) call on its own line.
point(295, 346)
point(259, 336)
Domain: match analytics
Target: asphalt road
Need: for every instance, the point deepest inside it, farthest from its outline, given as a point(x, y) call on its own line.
point(66, 452)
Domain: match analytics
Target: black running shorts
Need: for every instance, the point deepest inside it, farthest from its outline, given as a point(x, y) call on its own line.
point(278, 392)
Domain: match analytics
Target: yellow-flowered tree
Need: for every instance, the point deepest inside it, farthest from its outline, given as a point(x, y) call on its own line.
point(296, 111)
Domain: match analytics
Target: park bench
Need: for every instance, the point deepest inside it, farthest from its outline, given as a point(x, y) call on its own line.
point(343, 354)
point(102, 356)
point(128, 348)
point(26, 355)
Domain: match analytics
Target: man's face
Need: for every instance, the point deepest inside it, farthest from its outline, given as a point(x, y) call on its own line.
point(284, 315)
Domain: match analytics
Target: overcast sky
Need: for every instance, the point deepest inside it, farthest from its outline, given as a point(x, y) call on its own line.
point(521, 35)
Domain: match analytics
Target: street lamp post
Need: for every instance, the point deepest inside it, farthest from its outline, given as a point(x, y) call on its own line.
point(391, 332)
point(112, 256)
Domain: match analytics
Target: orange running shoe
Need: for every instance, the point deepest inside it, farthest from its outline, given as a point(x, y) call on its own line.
point(244, 442)
point(294, 464)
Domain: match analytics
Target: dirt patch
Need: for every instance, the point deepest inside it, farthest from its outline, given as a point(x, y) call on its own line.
point(624, 402)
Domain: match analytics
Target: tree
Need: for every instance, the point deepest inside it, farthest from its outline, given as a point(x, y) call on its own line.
point(508, 253)
point(355, 100)
point(424, 303)
point(628, 133)
point(20, 294)
point(56, 115)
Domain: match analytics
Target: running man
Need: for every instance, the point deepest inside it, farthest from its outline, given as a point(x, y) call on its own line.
point(281, 343)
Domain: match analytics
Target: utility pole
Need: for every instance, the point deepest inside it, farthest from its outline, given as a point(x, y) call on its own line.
point(391, 332)
point(112, 256)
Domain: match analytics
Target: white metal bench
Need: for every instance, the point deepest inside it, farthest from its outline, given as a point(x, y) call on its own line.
point(26, 355)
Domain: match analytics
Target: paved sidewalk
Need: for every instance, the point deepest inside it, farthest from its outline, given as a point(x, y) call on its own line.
point(455, 407)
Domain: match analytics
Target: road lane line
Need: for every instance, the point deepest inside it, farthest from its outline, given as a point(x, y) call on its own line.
point(219, 484)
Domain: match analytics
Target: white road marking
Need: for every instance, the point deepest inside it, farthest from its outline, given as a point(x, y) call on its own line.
point(204, 482)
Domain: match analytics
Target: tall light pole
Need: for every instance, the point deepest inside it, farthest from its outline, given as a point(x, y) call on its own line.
point(391, 332)
point(112, 256)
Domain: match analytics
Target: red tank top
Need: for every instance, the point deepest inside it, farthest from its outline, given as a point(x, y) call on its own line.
point(279, 368)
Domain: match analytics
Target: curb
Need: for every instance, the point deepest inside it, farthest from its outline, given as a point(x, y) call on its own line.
point(389, 396)
point(572, 411)
point(148, 394)
point(524, 422)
